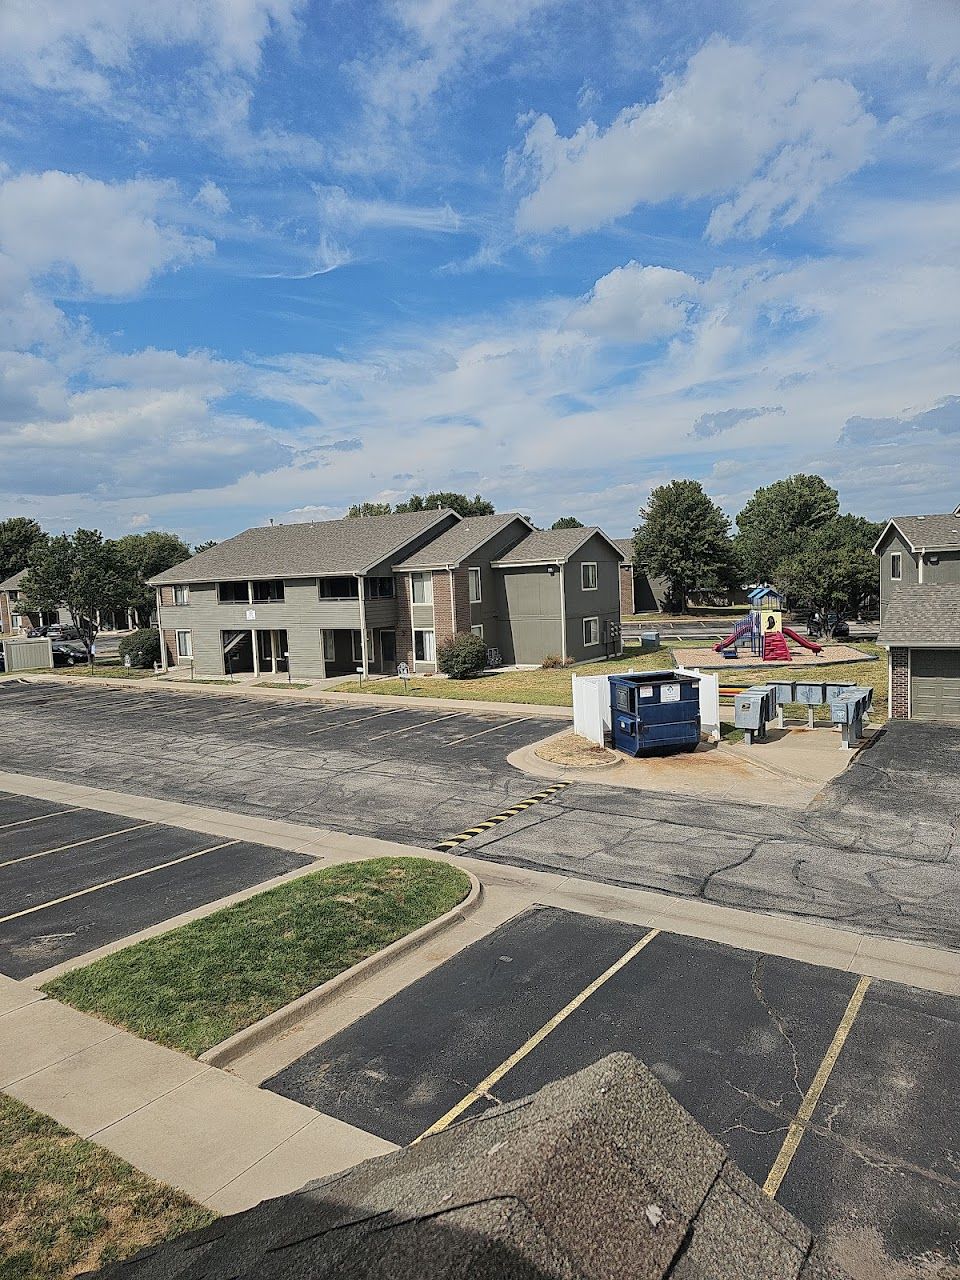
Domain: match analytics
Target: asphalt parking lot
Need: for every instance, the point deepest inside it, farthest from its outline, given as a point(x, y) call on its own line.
point(74, 879)
point(878, 851)
point(738, 1038)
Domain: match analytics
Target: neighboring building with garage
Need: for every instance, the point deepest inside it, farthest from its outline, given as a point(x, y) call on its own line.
point(326, 598)
point(638, 592)
point(920, 615)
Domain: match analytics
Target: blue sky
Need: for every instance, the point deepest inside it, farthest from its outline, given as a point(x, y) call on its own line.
point(264, 258)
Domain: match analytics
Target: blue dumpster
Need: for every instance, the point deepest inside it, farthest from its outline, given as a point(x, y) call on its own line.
point(654, 711)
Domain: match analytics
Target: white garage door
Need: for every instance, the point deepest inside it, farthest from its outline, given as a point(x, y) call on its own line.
point(935, 684)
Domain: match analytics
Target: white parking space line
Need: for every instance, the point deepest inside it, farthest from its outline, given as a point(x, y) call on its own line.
point(411, 728)
point(107, 884)
point(342, 724)
point(61, 848)
point(22, 822)
point(467, 737)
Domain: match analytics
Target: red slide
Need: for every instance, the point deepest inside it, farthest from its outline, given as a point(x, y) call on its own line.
point(732, 638)
point(802, 640)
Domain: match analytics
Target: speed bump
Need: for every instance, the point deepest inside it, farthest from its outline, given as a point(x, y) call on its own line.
point(452, 842)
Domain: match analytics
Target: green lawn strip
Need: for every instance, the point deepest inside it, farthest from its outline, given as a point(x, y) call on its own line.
point(282, 684)
point(68, 1206)
point(197, 985)
point(107, 671)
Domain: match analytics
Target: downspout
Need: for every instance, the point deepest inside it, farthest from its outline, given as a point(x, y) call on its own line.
point(164, 661)
point(364, 660)
point(923, 552)
point(453, 603)
point(563, 610)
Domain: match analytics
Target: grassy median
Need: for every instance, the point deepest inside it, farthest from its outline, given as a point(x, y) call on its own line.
point(68, 1206)
point(194, 986)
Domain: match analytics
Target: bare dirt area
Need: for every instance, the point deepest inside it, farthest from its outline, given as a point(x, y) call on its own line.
point(576, 751)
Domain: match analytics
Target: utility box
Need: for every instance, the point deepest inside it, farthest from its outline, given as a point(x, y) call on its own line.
point(649, 641)
point(654, 711)
point(810, 694)
point(849, 710)
point(786, 691)
point(750, 714)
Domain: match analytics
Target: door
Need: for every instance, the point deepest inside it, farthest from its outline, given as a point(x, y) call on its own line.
point(935, 684)
point(388, 650)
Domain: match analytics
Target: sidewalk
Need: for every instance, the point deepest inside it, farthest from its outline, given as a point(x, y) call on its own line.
point(223, 1141)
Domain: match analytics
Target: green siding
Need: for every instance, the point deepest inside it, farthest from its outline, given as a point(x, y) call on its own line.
point(603, 603)
point(530, 621)
point(935, 684)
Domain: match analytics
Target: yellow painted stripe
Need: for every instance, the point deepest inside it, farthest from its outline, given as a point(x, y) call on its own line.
point(22, 822)
point(61, 848)
point(133, 875)
point(810, 1099)
point(342, 724)
point(487, 1083)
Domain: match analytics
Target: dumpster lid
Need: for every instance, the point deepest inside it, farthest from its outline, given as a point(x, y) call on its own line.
point(654, 677)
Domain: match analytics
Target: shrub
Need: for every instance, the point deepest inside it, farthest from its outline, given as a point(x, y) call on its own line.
point(462, 656)
point(142, 647)
point(554, 660)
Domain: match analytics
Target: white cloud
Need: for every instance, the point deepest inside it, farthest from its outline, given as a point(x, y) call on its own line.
point(734, 123)
point(340, 209)
point(634, 303)
point(107, 237)
point(212, 198)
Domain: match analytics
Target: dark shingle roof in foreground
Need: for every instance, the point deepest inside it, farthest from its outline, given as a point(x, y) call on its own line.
point(602, 1176)
point(936, 533)
point(922, 615)
point(551, 546)
point(13, 582)
point(352, 545)
point(462, 540)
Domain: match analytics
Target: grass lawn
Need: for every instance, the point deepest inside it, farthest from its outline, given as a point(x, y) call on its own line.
point(108, 671)
point(68, 1206)
point(553, 687)
point(196, 985)
point(282, 684)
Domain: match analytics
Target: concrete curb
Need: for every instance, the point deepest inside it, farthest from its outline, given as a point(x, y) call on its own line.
point(268, 1028)
point(590, 769)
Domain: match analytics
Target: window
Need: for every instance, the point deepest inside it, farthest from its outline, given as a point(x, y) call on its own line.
point(181, 595)
point(338, 588)
point(378, 588)
point(184, 644)
point(475, 595)
point(357, 646)
point(422, 586)
point(591, 631)
point(329, 646)
point(896, 566)
point(424, 648)
point(269, 592)
point(233, 592)
point(588, 575)
point(477, 629)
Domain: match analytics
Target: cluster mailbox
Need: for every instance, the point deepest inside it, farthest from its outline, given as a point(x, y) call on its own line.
point(654, 711)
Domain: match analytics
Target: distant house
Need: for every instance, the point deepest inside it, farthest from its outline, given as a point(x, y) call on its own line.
point(920, 615)
point(14, 614)
point(639, 593)
point(331, 597)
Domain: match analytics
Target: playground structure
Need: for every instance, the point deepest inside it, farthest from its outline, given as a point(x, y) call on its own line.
point(765, 628)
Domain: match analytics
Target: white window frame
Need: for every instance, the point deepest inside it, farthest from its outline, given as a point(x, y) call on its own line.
point(429, 648)
point(584, 585)
point(181, 594)
point(187, 650)
point(328, 646)
point(474, 576)
point(477, 629)
point(589, 644)
point(896, 566)
point(425, 578)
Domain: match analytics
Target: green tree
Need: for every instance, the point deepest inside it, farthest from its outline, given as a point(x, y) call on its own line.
point(835, 569)
point(459, 502)
point(369, 509)
point(20, 539)
point(567, 522)
point(83, 573)
point(146, 554)
point(204, 546)
point(684, 537)
point(778, 520)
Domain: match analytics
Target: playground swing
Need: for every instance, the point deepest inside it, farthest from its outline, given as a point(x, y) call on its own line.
point(765, 627)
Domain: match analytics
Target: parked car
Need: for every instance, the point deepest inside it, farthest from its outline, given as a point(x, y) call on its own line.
point(61, 631)
point(841, 629)
point(67, 653)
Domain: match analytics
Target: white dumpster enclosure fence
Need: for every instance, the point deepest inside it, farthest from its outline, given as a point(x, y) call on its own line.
point(591, 705)
point(27, 653)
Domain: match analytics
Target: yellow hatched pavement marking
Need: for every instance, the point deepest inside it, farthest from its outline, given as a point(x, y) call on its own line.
point(133, 875)
point(22, 822)
point(61, 848)
point(486, 1084)
point(462, 837)
point(810, 1099)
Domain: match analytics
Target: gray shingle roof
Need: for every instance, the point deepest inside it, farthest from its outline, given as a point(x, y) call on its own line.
point(351, 545)
point(13, 582)
point(922, 615)
point(548, 546)
point(599, 1175)
point(934, 532)
point(456, 544)
point(626, 546)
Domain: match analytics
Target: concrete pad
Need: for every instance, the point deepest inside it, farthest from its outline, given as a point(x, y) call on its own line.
point(43, 1033)
point(323, 1147)
point(205, 1133)
point(15, 995)
point(103, 1084)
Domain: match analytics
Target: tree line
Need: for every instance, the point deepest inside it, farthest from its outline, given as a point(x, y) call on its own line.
point(790, 533)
